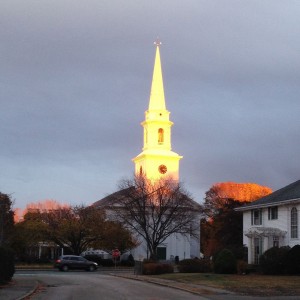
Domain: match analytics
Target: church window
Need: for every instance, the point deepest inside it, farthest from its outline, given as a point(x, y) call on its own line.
point(294, 223)
point(160, 136)
point(141, 170)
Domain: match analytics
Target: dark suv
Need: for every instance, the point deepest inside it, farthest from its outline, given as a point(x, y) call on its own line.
point(66, 262)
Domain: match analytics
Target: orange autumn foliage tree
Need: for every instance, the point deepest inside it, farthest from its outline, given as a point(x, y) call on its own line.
point(223, 226)
point(243, 192)
point(45, 205)
point(42, 206)
point(220, 193)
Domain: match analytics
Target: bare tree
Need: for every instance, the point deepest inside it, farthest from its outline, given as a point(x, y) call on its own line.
point(156, 210)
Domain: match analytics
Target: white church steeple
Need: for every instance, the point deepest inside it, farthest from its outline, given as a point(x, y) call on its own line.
point(157, 160)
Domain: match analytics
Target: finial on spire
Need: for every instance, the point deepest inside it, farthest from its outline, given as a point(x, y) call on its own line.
point(157, 42)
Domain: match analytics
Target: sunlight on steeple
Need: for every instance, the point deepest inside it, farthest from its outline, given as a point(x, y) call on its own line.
point(157, 160)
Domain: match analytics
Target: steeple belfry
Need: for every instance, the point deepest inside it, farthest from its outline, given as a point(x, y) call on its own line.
point(157, 160)
point(157, 95)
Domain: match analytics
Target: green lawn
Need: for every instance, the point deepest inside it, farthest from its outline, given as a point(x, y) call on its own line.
point(254, 285)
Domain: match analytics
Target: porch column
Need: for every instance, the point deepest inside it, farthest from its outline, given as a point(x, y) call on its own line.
point(265, 245)
point(250, 250)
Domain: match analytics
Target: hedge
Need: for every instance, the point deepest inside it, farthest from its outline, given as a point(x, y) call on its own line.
point(154, 268)
point(194, 266)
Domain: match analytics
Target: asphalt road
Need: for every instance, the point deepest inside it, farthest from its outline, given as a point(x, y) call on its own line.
point(95, 285)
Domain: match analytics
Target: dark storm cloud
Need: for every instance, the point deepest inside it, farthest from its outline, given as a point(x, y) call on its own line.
point(75, 82)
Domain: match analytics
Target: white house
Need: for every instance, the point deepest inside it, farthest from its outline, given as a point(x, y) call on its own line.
point(271, 221)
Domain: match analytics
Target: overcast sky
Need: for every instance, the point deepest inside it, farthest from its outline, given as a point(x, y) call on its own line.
point(75, 81)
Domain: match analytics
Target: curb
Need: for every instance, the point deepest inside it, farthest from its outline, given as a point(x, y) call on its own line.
point(34, 289)
point(205, 290)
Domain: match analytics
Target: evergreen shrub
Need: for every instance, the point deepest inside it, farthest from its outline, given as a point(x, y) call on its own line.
point(7, 264)
point(273, 261)
point(194, 266)
point(225, 262)
point(292, 261)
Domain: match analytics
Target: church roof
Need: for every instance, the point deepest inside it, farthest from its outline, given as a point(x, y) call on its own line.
point(286, 194)
point(111, 199)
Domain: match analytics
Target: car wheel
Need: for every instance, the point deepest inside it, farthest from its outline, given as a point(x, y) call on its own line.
point(65, 268)
point(92, 268)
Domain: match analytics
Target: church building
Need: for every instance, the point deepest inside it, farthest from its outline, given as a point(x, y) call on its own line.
point(158, 161)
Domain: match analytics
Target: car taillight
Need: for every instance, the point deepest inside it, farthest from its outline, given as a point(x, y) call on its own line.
point(58, 261)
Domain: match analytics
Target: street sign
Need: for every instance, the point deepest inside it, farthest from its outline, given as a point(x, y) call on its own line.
point(116, 253)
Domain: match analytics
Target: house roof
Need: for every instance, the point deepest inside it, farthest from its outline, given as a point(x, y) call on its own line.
point(286, 194)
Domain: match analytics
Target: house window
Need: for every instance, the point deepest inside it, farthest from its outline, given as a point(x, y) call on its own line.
point(256, 217)
point(273, 213)
point(160, 136)
point(294, 223)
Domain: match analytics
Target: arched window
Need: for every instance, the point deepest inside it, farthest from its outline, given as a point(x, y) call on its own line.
point(141, 170)
point(160, 135)
point(294, 223)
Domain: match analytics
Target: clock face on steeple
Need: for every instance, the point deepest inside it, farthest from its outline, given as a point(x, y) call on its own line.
point(162, 169)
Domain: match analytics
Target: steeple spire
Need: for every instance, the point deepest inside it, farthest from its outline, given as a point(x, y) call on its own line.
point(157, 95)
